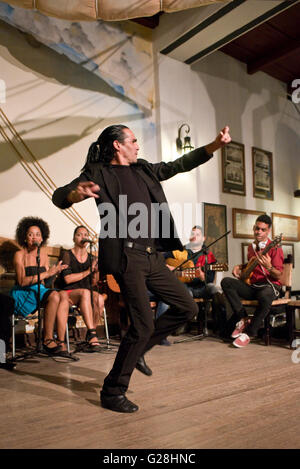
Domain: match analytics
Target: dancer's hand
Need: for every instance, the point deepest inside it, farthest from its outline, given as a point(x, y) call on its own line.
point(83, 191)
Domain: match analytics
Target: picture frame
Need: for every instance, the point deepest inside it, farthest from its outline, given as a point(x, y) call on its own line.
point(243, 221)
point(233, 168)
point(288, 225)
point(262, 168)
point(215, 225)
point(245, 252)
point(288, 249)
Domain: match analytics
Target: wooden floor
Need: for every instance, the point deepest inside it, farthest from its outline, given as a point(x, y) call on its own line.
point(203, 394)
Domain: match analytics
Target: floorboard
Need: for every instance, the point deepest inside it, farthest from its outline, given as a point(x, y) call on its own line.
point(202, 395)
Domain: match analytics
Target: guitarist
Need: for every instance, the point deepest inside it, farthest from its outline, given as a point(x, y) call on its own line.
point(263, 284)
point(197, 286)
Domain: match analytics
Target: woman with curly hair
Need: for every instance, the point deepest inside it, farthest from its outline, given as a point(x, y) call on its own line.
point(31, 234)
point(78, 281)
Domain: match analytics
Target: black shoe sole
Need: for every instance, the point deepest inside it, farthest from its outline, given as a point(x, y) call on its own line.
point(128, 409)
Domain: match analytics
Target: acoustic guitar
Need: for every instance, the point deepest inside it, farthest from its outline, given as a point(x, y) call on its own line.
point(186, 275)
point(247, 272)
point(189, 274)
point(112, 283)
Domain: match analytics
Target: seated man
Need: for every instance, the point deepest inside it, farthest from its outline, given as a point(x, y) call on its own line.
point(264, 284)
point(197, 286)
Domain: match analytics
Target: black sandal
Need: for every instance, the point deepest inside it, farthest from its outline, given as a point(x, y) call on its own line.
point(92, 346)
point(50, 350)
point(64, 353)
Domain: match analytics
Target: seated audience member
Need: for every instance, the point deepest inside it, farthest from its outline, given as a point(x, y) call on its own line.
point(264, 284)
point(77, 281)
point(198, 287)
point(32, 234)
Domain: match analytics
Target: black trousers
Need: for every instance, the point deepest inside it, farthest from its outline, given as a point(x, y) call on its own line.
point(235, 289)
point(145, 271)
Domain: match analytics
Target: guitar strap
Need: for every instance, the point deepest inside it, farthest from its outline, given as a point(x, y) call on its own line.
point(275, 291)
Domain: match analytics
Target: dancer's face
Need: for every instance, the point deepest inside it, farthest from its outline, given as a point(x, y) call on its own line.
point(128, 149)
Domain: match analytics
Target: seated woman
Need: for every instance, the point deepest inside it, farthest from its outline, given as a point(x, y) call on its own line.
point(31, 234)
point(77, 282)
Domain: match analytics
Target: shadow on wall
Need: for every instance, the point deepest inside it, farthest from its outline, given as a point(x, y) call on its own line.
point(48, 66)
point(76, 128)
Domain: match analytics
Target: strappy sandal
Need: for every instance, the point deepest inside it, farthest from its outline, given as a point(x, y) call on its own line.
point(63, 353)
point(50, 350)
point(92, 346)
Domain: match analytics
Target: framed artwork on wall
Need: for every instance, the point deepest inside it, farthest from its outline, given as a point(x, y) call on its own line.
point(262, 166)
point(288, 249)
point(243, 222)
point(288, 225)
point(233, 168)
point(215, 225)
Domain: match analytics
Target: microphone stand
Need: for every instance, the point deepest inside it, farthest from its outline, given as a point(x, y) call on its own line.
point(203, 251)
point(39, 338)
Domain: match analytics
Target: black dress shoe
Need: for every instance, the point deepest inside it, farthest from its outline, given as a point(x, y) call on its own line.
point(8, 365)
point(118, 403)
point(143, 367)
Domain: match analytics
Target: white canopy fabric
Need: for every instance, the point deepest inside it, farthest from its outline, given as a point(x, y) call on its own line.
point(108, 10)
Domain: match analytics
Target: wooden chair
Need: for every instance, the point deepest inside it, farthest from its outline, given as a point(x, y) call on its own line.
point(278, 306)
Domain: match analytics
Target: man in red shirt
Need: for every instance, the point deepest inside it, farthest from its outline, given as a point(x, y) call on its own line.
point(264, 284)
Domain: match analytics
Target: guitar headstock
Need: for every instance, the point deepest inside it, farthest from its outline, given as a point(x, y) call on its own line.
point(220, 267)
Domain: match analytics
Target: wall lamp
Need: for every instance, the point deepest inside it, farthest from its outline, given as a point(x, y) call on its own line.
point(186, 146)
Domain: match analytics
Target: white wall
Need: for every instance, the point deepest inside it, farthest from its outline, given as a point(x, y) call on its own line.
point(215, 92)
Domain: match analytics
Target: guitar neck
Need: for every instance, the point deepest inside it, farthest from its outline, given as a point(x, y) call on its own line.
point(247, 271)
point(187, 275)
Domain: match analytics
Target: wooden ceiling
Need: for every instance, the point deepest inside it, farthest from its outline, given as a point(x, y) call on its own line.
point(272, 47)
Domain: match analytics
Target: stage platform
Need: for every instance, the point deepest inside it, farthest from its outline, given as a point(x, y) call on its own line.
point(202, 394)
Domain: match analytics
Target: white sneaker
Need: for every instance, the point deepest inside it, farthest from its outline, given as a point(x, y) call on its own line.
point(241, 341)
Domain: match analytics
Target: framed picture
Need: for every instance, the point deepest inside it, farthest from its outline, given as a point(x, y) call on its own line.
point(243, 222)
point(233, 168)
point(288, 225)
point(245, 252)
point(262, 165)
point(215, 225)
point(288, 249)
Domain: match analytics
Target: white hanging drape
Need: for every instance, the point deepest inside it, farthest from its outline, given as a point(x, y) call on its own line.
point(108, 10)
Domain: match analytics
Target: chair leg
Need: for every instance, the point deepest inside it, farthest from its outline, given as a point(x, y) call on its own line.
point(106, 325)
point(67, 338)
point(13, 330)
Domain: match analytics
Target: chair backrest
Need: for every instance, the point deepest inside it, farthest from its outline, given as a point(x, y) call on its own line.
point(286, 278)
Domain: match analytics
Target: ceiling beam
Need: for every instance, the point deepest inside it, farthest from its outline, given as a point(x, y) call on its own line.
point(274, 56)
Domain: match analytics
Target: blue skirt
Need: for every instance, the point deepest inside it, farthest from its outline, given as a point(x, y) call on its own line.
point(26, 298)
